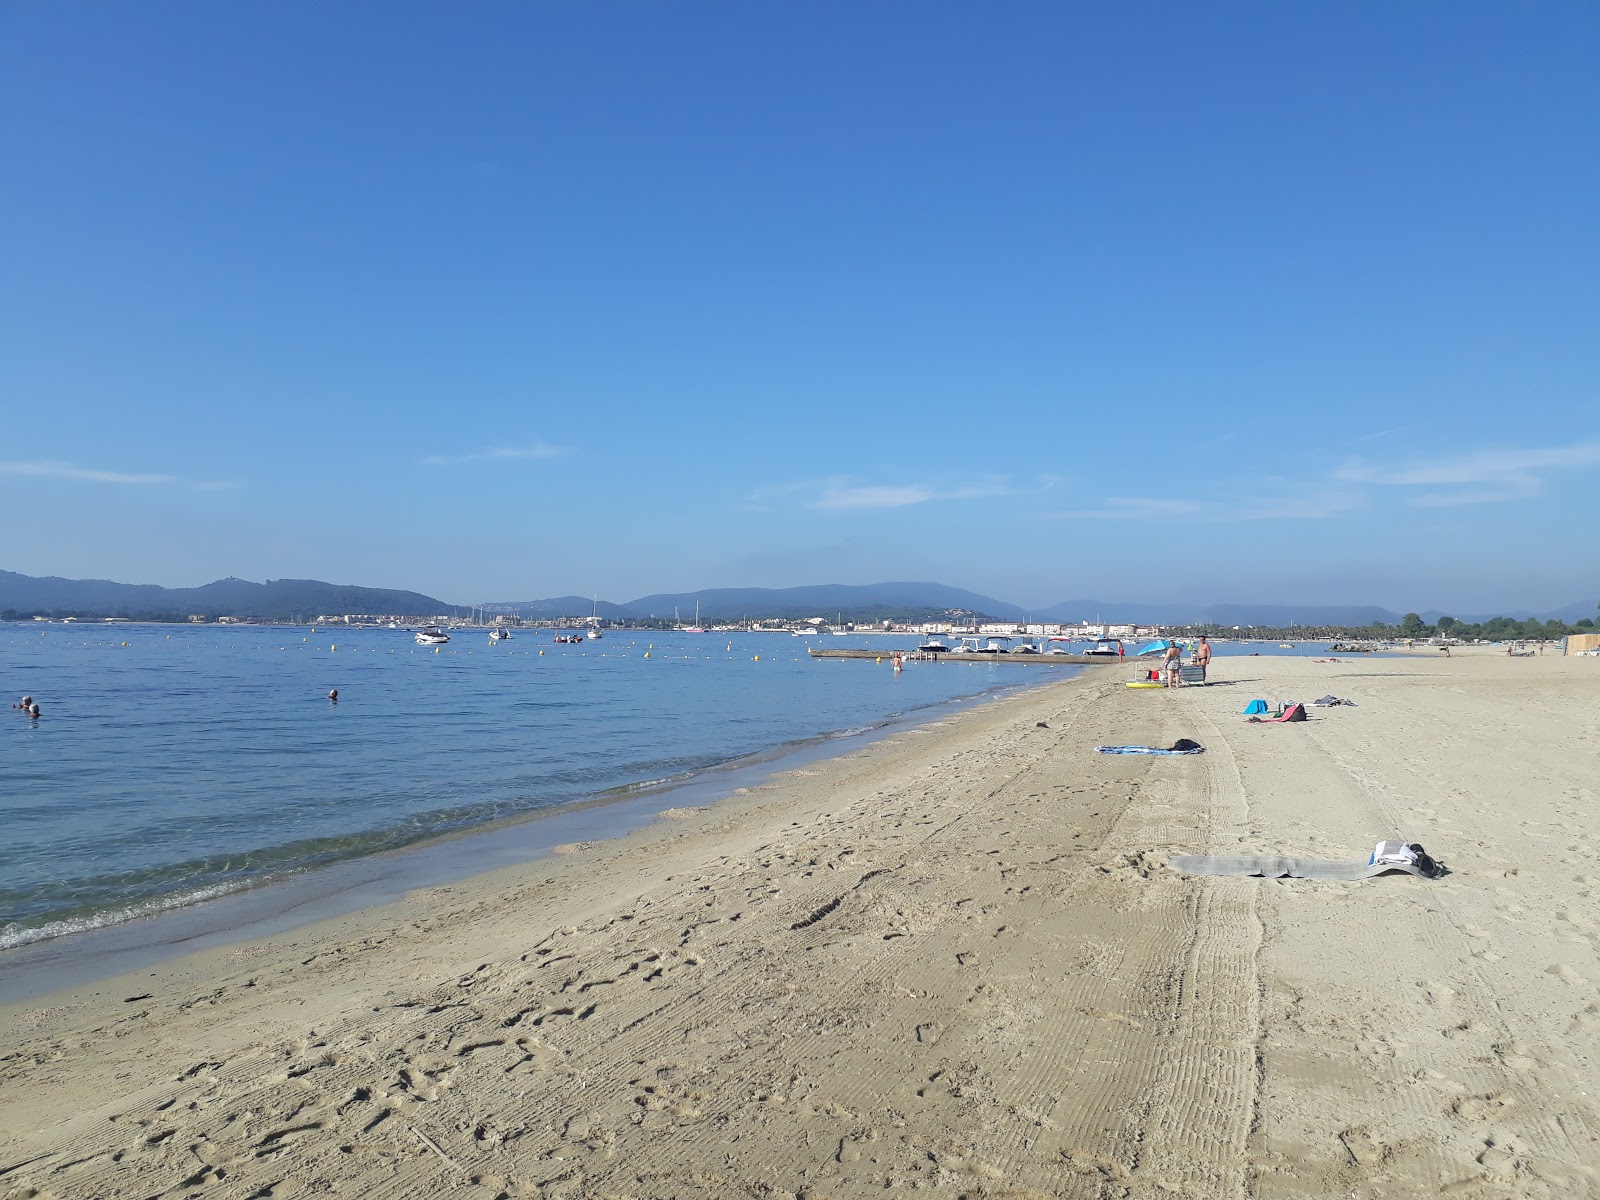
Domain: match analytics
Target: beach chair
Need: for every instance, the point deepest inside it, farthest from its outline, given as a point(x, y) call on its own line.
point(1192, 673)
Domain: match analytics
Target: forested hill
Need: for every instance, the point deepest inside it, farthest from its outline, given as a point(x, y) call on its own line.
point(276, 599)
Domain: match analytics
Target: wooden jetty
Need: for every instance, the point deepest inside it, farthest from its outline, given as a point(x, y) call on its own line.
point(1038, 660)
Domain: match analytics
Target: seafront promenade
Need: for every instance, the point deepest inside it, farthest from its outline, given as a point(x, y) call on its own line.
point(952, 960)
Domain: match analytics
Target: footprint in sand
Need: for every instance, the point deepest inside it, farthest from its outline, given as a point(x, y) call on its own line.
point(1517, 1055)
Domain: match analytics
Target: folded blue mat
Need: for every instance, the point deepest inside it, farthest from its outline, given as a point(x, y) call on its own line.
point(1190, 748)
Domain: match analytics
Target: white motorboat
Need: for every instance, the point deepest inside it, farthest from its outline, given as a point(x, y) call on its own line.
point(933, 646)
point(1107, 647)
point(432, 635)
point(986, 645)
point(500, 635)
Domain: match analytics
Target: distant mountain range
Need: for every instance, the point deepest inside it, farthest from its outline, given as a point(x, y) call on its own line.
point(288, 599)
point(861, 601)
point(276, 599)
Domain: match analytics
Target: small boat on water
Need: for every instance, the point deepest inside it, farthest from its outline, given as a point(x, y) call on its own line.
point(933, 646)
point(500, 635)
point(1106, 647)
point(563, 639)
point(432, 635)
point(696, 627)
point(986, 645)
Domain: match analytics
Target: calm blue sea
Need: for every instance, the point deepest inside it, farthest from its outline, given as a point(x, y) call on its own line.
point(173, 764)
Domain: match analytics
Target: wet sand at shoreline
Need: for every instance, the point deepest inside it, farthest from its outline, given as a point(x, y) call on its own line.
point(952, 959)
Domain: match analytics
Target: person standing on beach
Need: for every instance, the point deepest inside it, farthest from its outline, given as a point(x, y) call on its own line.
point(1202, 656)
point(1173, 662)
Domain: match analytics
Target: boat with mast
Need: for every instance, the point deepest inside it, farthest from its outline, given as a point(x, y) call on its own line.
point(695, 628)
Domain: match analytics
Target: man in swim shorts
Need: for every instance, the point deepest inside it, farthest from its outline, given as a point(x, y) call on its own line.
point(1202, 655)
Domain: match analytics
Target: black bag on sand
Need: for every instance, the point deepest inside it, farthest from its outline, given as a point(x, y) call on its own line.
point(1185, 744)
point(1425, 864)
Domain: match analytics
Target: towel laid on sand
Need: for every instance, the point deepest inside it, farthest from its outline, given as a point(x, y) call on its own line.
point(1181, 746)
point(1330, 700)
point(1396, 855)
point(1274, 866)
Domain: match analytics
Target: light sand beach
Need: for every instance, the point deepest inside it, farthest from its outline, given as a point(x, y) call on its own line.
point(951, 961)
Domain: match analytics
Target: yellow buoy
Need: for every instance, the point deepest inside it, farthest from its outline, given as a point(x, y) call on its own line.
point(757, 658)
point(124, 643)
point(333, 647)
point(647, 654)
point(541, 654)
point(436, 649)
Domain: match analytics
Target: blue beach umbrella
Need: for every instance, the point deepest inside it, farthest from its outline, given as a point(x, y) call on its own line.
point(1155, 647)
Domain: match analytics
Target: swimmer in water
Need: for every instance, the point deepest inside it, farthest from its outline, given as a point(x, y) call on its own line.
point(24, 704)
point(333, 695)
point(33, 712)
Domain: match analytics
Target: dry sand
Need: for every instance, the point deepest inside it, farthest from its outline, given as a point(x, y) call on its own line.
point(950, 961)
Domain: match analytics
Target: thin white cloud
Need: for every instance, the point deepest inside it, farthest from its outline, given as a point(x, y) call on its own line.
point(1308, 505)
point(1484, 477)
point(844, 494)
point(873, 495)
point(74, 474)
point(538, 450)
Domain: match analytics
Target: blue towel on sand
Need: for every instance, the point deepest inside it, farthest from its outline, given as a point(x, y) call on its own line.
point(1254, 707)
point(1148, 750)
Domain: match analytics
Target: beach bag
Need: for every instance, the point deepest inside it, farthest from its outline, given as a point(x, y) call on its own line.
point(1184, 745)
point(1255, 707)
point(1295, 712)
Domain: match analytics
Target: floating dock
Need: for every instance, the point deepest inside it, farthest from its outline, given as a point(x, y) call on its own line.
point(1038, 660)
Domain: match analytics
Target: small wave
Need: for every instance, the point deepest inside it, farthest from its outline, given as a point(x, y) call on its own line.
point(853, 731)
point(14, 935)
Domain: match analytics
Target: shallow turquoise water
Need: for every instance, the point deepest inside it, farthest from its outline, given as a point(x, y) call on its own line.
point(194, 761)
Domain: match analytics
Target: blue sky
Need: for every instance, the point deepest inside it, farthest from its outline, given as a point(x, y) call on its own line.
point(1235, 302)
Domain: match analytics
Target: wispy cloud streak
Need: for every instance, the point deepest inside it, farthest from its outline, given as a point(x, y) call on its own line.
point(1313, 504)
point(1483, 477)
point(844, 494)
point(538, 450)
point(65, 470)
